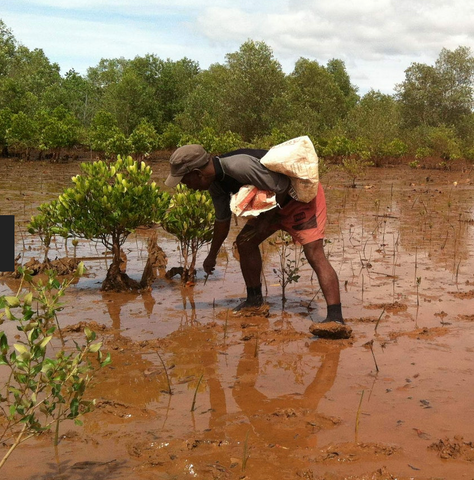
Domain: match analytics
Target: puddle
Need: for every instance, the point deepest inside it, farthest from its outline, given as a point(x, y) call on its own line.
point(274, 402)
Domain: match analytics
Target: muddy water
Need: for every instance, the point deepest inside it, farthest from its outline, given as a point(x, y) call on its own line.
point(271, 401)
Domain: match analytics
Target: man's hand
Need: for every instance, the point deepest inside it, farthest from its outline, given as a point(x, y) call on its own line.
point(209, 264)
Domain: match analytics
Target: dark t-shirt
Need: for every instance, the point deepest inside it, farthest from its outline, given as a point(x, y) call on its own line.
point(239, 168)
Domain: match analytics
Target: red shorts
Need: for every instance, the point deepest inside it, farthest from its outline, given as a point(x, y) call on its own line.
point(305, 222)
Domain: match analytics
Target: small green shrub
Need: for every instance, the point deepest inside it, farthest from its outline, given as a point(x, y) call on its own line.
point(213, 142)
point(355, 168)
point(190, 218)
point(396, 148)
point(337, 146)
point(46, 385)
point(171, 136)
point(143, 139)
point(423, 152)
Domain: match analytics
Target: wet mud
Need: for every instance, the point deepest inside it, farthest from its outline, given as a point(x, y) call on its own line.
point(261, 397)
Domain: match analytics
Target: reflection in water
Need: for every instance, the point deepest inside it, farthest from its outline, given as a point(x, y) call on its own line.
point(187, 296)
point(257, 406)
point(115, 302)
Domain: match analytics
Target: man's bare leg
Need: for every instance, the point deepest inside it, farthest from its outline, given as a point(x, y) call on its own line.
point(248, 242)
point(327, 278)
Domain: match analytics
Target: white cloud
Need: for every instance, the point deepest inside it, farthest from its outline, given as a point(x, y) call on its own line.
point(378, 39)
point(374, 37)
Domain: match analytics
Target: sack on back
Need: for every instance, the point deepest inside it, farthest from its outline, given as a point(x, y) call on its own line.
point(297, 159)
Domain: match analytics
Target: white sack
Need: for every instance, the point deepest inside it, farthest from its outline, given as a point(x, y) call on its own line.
point(298, 160)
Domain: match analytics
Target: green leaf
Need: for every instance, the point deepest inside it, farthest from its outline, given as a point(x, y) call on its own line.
point(3, 341)
point(88, 333)
point(95, 347)
point(28, 299)
point(45, 341)
point(13, 301)
point(107, 361)
point(22, 349)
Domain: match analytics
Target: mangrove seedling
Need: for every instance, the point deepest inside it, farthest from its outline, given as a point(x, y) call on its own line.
point(193, 406)
point(46, 383)
point(291, 259)
point(190, 218)
point(358, 416)
point(355, 168)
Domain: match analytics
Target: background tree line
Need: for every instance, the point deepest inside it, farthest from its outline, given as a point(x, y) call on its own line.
point(137, 106)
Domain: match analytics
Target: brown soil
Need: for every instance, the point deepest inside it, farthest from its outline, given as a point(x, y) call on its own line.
point(275, 402)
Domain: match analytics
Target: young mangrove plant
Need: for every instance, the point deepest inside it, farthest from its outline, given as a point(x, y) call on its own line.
point(106, 203)
point(193, 405)
point(291, 260)
point(190, 218)
point(45, 384)
point(355, 168)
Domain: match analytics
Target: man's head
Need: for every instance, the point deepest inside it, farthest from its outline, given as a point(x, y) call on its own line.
point(186, 164)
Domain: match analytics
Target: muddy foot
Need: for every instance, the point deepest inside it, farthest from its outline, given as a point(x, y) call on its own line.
point(258, 311)
point(332, 330)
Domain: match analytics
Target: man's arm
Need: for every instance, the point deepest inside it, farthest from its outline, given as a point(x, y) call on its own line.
point(221, 230)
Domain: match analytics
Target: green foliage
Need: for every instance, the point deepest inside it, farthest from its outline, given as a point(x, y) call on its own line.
point(439, 142)
point(118, 145)
point(444, 143)
point(23, 134)
point(314, 97)
point(376, 119)
point(355, 168)
point(274, 138)
point(439, 94)
point(103, 128)
point(423, 152)
point(45, 226)
point(254, 82)
point(8, 47)
point(338, 146)
point(171, 136)
point(190, 218)
point(58, 129)
point(246, 100)
point(74, 93)
point(5, 123)
point(170, 81)
point(106, 203)
point(396, 148)
point(45, 385)
point(144, 138)
point(469, 154)
point(212, 142)
point(337, 69)
point(29, 74)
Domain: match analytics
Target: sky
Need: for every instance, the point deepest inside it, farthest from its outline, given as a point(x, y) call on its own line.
point(377, 39)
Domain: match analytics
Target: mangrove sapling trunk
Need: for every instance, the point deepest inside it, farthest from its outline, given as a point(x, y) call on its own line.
point(116, 279)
